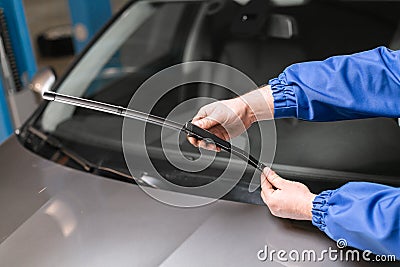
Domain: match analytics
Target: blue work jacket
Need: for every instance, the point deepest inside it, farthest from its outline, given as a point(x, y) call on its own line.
point(361, 85)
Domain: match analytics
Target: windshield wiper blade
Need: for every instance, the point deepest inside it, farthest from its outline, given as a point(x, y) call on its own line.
point(188, 128)
point(111, 109)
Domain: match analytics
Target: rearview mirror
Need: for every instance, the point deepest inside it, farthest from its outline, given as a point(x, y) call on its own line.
point(282, 26)
point(43, 80)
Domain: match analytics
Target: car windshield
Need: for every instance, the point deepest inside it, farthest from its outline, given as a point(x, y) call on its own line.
point(259, 38)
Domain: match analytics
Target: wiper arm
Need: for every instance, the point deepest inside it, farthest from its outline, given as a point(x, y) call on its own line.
point(53, 142)
point(84, 163)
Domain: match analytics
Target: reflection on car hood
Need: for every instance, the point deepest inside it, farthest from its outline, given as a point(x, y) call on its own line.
point(55, 216)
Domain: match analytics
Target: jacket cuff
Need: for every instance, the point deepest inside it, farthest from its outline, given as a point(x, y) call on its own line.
point(320, 209)
point(285, 104)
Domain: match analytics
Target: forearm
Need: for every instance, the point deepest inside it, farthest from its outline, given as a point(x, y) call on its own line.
point(366, 215)
point(362, 85)
point(259, 104)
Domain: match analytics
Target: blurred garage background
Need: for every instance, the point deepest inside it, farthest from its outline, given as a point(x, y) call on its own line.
point(57, 30)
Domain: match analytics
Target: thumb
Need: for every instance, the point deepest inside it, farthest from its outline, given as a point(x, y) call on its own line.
point(277, 181)
point(206, 123)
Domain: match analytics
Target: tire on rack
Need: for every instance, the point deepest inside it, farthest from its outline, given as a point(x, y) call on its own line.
point(56, 42)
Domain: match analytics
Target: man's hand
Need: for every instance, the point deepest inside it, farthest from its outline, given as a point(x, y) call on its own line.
point(285, 198)
point(226, 119)
point(230, 118)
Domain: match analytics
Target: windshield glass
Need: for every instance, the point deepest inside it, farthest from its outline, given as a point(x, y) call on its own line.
point(138, 44)
point(256, 38)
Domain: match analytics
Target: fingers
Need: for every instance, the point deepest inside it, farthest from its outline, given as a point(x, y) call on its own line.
point(203, 144)
point(266, 187)
point(274, 179)
point(210, 146)
point(268, 192)
point(205, 117)
point(210, 118)
point(217, 130)
point(192, 140)
point(205, 123)
point(202, 113)
point(270, 181)
point(265, 184)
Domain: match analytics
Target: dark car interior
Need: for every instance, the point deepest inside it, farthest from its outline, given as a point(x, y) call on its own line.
point(245, 37)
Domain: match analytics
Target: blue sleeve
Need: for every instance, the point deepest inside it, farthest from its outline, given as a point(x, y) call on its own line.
point(361, 85)
point(366, 215)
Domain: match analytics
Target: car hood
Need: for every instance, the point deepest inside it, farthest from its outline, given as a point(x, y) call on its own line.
point(52, 215)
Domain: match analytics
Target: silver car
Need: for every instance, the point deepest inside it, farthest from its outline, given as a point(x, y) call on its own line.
point(69, 196)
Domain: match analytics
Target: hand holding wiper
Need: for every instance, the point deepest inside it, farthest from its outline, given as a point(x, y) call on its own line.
point(189, 128)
